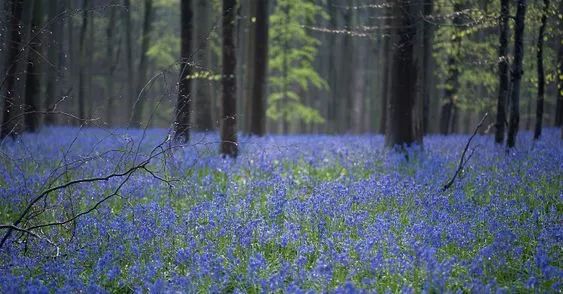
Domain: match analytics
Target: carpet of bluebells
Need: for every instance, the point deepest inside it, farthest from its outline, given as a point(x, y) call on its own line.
point(291, 214)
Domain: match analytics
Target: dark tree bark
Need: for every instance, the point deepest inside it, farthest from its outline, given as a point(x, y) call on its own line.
point(559, 103)
point(203, 99)
point(400, 116)
point(426, 64)
point(54, 69)
point(541, 74)
point(82, 62)
point(229, 146)
point(503, 72)
point(332, 68)
point(258, 110)
point(33, 71)
point(386, 69)
point(111, 66)
point(139, 105)
point(449, 110)
point(248, 64)
point(183, 106)
point(517, 73)
point(8, 127)
point(346, 76)
point(129, 57)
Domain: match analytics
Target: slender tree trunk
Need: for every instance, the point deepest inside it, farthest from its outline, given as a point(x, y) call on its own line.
point(258, 110)
point(90, 67)
point(229, 145)
point(203, 99)
point(183, 107)
point(82, 63)
point(54, 68)
point(33, 71)
point(400, 123)
point(426, 64)
point(359, 87)
point(112, 63)
point(139, 104)
point(448, 112)
point(385, 93)
point(129, 57)
point(346, 77)
point(503, 72)
point(332, 69)
point(559, 77)
point(517, 72)
point(249, 64)
point(9, 124)
point(540, 72)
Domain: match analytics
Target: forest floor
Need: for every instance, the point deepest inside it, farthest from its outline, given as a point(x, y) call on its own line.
point(292, 213)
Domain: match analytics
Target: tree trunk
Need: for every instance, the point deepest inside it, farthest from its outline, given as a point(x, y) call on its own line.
point(258, 110)
point(33, 71)
point(183, 106)
point(332, 69)
point(82, 63)
point(203, 99)
point(426, 64)
point(229, 146)
point(9, 124)
point(129, 57)
point(448, 112)
point(139, 104)
point(541, 74)
point(346, 78)
point(385, 93)
point(517, 72)
point(503, 72)
point(110, 66)
point(400, 116)
point(358, 85)
point(249, 63)
point(559, 77)
point(54, 69)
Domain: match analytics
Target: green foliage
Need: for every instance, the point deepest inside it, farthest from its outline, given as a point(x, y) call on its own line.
point(474, 47)
point(292, 52)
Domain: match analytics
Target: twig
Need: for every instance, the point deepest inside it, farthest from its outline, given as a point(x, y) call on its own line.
point(462, 160)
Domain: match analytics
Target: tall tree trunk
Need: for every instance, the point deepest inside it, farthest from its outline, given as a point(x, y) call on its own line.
point(112, 63)
point(258, 110)
point(385, 93)
point(400, 116)
point(9, 124)
point(129, 57)
point(448, 113)
point(139, 105)
point(54, 69)
point(541, 74)
point(517, 72)
point(33, 71)
point(426, 64)
point(358, 85)
point(82, 63)
point(203, 99)
point(183, 107)
point(559, 77)
point(332, 69)
point(503, 72)
point(229, 145)
point(346, 76)
point(249, 64)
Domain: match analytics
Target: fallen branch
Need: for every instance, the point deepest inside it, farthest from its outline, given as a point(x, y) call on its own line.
point(462, 160)
point(127, 174)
